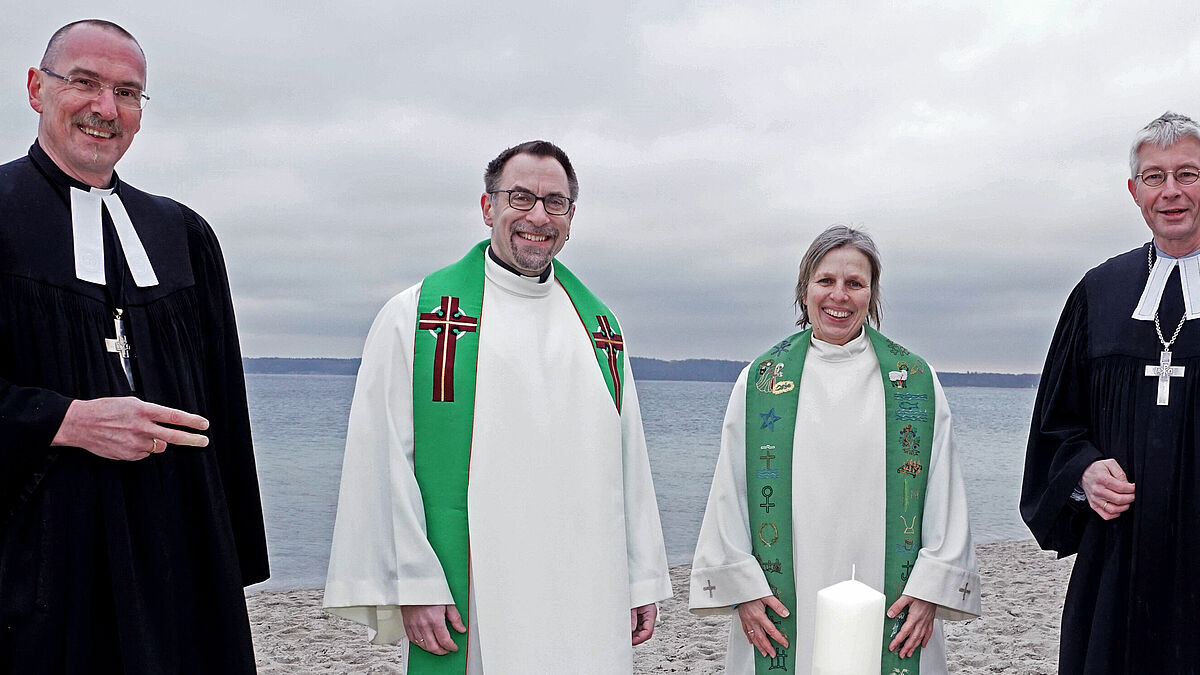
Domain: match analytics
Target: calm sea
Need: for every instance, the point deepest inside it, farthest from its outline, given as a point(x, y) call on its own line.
point(300, 427)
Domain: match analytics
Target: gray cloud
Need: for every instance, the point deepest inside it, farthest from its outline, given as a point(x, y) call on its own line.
point(338, 152)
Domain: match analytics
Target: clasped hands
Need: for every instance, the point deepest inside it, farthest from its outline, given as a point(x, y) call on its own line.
point(761, 631)
point(425, 625)
point(126, 428)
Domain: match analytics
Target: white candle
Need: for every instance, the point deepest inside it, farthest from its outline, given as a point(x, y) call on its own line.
point(849, 630)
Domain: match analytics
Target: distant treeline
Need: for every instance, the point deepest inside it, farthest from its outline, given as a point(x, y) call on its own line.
point(696, 370)
point(970, 379)
point(279, 366)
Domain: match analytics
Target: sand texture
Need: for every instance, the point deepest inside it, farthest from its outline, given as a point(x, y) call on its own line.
point(1023, 590)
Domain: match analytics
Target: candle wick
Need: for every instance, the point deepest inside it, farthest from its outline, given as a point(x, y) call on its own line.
point(853, 571)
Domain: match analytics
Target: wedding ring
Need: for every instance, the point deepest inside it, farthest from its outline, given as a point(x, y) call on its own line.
point(750, 632)
point(420, 641)
point(154, 446)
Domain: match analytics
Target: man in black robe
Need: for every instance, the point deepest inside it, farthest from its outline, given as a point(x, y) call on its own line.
point(1112, 470)
point(130, 518)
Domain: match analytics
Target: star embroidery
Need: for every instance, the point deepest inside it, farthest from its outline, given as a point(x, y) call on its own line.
point(780, 348)
point(769, 419)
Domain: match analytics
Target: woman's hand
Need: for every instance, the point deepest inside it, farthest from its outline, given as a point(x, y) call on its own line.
point(758, 627)
point(918, 625)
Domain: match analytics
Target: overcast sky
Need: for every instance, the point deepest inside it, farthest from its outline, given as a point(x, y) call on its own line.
point(338, 152)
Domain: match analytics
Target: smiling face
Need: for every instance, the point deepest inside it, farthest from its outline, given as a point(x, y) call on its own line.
point(86, 137)
point(1171, 210)
point(528, 240)
point(838, 296)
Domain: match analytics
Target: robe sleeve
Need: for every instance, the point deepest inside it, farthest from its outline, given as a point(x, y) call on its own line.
point(29, 416)
point(946, 561)
point(225, 406)
point(1060, 442)
point(381, 556)
point(649, 578)
point(29, 419)
point(724, 558)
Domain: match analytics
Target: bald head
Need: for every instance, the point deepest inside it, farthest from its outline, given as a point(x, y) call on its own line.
point(54, 48)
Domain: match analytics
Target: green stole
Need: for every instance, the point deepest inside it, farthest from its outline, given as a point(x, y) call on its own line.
point(446, 351)
point(771, 403)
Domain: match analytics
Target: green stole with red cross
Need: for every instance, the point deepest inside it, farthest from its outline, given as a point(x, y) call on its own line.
point(771, 405)
point(446, 351)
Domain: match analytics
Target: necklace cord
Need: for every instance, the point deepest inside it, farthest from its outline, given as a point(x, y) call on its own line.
point(1158, 328)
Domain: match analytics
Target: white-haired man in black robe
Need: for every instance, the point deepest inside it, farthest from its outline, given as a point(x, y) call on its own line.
point(1113, 465)
point(129, 508)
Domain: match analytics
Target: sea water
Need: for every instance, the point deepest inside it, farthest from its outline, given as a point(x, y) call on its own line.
point(299, 424)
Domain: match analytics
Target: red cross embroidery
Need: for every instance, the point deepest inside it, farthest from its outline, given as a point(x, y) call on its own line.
point(610, 343)
point(448, 321)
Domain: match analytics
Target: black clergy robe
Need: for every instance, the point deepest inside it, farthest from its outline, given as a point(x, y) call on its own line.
point(1133, 603)
point(109, 566)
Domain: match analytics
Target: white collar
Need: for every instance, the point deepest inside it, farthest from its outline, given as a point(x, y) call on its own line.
point(88, 234)
point(1189, 276)
point(517, 284)
point(827, 351)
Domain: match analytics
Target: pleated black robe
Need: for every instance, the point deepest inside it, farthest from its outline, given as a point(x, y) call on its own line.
point(1133, 603)
point(107, 566)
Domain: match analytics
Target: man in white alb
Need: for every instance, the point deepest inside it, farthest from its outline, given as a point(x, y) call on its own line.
point(550, 557)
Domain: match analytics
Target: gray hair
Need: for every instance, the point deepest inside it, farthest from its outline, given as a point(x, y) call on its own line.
point(835, 237)
point(1167, 130)
point(54, 47)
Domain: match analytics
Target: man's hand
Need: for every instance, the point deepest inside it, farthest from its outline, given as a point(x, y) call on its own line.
point(425, 626)
point(126, 428)
point(641, 622)
point(757, 625)
point(1108, 491)
point(917, 628)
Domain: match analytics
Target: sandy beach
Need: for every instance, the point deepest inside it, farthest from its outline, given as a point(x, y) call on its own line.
point(1023, 589)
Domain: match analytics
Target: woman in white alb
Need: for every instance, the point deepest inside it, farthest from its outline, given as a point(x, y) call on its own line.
point(838, 501)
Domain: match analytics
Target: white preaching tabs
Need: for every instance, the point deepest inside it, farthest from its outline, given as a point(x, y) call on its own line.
point(86, 215)
point(1189, 275)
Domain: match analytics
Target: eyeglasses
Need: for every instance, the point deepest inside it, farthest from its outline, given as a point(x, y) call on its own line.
point(556, 205)
point(1155, 177)
point(126, 97)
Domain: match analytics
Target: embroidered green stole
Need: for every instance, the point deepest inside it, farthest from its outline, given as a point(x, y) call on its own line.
point(446, 351)
point(771, 403)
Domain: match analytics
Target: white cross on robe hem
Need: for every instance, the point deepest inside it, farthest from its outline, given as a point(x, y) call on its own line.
point(88, 235)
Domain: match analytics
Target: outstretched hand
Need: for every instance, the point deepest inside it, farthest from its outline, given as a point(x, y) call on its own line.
point(641, 622)
point(425, 626)
point(757, 626)
point(1108, 491)
point(126, 428)
point(917, 628)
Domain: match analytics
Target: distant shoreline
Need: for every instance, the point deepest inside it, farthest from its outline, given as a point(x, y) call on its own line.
point(688, 370)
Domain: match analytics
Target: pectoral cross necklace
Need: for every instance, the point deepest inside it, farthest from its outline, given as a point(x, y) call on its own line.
point(120, 345)
point(1164, 371)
